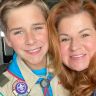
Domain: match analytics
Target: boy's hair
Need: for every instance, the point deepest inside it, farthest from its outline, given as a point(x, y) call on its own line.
point(7, 5)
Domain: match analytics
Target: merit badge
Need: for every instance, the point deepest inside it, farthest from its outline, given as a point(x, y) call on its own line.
point(45, 83)
point(20, 88)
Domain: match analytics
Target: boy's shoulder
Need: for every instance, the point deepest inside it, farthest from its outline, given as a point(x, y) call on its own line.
point(3, 68)
point(6, 78)
point(3, 78)
point(6, 84)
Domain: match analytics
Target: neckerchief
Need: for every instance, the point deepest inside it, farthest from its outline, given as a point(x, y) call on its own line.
point(14, 69)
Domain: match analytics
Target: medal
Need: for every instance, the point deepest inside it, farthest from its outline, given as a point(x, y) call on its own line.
point(45, 83)
point(20, 88)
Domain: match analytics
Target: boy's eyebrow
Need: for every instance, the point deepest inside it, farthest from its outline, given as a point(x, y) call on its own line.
point(18, 28)
point(35, 24)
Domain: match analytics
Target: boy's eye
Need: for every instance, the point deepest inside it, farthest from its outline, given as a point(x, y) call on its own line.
point(38, 28)
point(17, 32)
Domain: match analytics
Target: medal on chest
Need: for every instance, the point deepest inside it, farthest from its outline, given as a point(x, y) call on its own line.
point(20, 88)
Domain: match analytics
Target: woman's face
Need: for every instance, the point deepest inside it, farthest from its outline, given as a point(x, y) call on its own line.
point(78, 40)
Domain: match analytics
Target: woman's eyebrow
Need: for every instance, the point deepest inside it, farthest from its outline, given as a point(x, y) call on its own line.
point(85, 29)
point(63, 34)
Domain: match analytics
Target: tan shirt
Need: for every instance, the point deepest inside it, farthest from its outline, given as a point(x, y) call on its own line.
point(7, 85)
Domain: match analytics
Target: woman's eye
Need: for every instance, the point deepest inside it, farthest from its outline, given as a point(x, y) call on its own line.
point(64, 39)
point(38, 28)
point(84, 35)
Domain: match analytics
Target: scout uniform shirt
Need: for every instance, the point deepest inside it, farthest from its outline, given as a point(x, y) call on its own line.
point(20, 80)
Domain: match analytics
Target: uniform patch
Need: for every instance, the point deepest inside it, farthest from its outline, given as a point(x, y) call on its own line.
point(20, 88)
point(3, 80)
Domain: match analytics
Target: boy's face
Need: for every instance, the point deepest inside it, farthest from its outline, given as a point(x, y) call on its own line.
point(28, 35)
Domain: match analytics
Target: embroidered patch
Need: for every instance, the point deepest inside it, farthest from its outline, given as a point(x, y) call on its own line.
point(1, 94)
point(20, 88)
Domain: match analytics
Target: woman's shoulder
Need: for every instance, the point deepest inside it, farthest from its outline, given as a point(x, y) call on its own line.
point(61, 91)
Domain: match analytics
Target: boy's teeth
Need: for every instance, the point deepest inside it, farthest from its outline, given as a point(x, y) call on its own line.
point(34, 50)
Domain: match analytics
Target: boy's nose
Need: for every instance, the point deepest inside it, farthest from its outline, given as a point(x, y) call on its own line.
point(30, 38)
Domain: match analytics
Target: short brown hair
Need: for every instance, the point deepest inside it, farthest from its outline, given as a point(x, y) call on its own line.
point(7, 5)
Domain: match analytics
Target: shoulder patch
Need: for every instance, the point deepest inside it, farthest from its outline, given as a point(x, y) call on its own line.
point(3, 80)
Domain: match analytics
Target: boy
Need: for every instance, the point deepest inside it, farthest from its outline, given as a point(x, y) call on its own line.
point(25, 28)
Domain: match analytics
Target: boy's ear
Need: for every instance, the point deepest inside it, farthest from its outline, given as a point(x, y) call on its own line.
point(7, 40)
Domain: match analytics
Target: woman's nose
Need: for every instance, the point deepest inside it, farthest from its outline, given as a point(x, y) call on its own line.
point(75, 44)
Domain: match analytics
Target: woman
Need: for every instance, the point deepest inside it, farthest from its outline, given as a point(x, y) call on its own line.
point(75, 23)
